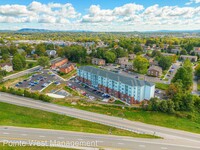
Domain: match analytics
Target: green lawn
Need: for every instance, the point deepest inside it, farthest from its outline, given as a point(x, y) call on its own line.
point(68, 75)
point(162, 86)
point(11, 115)
point(178, 121)
point(6, 147)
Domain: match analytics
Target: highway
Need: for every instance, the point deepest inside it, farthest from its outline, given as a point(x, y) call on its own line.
point(174, 136)
point(66, 139)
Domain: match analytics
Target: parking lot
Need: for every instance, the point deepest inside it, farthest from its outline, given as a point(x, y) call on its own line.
point(91, 93)
point(39, 81)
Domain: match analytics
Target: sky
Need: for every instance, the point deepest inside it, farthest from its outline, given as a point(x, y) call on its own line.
point(100, 15)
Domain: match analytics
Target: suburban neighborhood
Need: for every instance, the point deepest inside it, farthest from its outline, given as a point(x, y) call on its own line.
point(100, 75)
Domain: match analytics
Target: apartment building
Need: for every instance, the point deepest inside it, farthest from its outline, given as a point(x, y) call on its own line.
point(128, 89)
point(66, 68)
point(59, 63)
point(97, 61)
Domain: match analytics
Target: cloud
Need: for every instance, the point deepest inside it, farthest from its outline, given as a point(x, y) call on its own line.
point(192, 1)
point(38, 13)
point(96, 14)
point(129, 16)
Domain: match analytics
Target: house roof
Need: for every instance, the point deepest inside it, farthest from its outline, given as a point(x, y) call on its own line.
point(4, 64)
point(131, 81)
point(122, 58)
point(66, 65)
point(155, 68)
point(98, 59)
point(57, 60)
point(188, 56)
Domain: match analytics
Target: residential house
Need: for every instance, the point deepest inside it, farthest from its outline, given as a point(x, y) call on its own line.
point(175, 51)
point(97, 61)
point(51, 53)
point(197, 50)
point(155, 71)
point(128, 89)
point(168, 54)
point(66, 68)
point(131, 56)
point(191, 58)
point(20, 51)
point(127, 65)
point(122, 60)
point(7, 67)
point(59, 63)
point(165, 46)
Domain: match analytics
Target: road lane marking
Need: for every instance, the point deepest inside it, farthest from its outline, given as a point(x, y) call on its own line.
point(80, 139)
point(6, 133)
point(142, 146)
point(24, 134)
point(61, 138)
point(41, 136)
point(164, 148)
point(120, 143)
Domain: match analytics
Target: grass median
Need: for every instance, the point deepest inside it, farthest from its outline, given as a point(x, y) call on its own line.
point(11, 115)
point(176, 121)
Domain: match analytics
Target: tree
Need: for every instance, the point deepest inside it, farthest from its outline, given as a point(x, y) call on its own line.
point(5, 57)
point(197, 71)
point(163, 106)
point(138, 49)
point(153, 104)
point(110, 57)
point(119, 52)
point(141, 64)
point(1, 78)
point(40, 50)
point(165, 62)
point(75, 53)
point(13, 50)
point(183, 52)
point(43, 61)
point(184, 75)
point(173, 89)
point(17, 62)
point(171, 106)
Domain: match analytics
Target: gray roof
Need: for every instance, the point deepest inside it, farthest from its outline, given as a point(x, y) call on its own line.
point(131, 81)
point(155, 68)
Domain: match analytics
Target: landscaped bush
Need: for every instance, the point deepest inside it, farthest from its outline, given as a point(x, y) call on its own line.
point(25, 93)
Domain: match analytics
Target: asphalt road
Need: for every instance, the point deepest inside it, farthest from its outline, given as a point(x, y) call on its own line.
point(67, 139)
point(22, 73)
point(175, 136)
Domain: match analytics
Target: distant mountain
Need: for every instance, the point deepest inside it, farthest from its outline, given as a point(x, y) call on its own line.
point(45, 30)
point(172, 31)
point(33, 30)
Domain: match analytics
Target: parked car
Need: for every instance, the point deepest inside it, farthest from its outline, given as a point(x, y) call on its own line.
point(57, 83)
